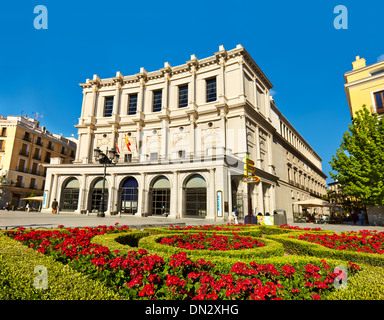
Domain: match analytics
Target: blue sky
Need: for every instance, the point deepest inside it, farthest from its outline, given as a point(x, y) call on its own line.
point(294, 42)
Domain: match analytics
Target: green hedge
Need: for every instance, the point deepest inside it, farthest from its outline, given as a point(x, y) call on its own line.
point(252, 231)
point(123, 241)
point(301, 247)
point(271, 248)
point(366, 285)
point(17, 264)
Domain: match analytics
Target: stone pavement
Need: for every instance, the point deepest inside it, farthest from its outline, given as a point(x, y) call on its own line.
point(15, 219)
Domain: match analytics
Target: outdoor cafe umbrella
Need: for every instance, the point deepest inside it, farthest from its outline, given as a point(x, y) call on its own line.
point(38, 198)
point(314, 202)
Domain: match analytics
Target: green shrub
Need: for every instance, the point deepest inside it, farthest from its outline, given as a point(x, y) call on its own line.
point(17, 264)
point(366, 285)
point(123, 241)
point(271, 248)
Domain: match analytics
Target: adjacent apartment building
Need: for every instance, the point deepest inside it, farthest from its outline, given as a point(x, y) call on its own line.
point(182, 133)
point(364, 85)
point(25, 147)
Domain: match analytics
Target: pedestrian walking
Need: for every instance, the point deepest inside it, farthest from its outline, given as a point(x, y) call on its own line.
point(235, 215)
point(361, 218)
point(55, 206)
point(354, 217)
point(27, 207)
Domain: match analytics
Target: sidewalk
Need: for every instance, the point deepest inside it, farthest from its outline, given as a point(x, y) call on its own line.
point(15, 219)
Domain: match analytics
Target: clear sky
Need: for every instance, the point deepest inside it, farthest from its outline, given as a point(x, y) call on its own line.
point(294, 42)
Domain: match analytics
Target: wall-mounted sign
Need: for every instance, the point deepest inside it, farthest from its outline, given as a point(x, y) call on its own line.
point(219, 203)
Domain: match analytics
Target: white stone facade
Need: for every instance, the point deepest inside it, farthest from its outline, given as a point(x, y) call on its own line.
point(189, 127)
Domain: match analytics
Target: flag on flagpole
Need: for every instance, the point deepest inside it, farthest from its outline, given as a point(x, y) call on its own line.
point(127, 143)
point(117, 147)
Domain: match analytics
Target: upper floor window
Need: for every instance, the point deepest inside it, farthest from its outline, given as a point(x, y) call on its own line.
point(132, 104)
point(38, 141)
point(108, 106)
point(211, 89)
point(183, 96)
point(379, 101)
point(26, 136)
point(157, 100)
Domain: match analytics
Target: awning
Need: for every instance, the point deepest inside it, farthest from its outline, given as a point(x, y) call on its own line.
point(315, 202)
point(40, 198)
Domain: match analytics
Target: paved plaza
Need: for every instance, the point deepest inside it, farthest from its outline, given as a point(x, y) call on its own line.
point(15, 219)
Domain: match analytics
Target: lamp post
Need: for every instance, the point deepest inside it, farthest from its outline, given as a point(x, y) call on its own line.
point(111, 159)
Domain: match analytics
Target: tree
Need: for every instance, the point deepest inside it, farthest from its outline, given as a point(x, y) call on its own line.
point(359, 162)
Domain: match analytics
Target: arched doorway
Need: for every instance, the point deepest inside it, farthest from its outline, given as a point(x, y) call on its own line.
point(160, 194)
point(195, 197)
point(129, 196)
point(96, 195)
point(70, 195)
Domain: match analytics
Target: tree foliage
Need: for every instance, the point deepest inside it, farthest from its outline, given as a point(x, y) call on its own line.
point(359, 162)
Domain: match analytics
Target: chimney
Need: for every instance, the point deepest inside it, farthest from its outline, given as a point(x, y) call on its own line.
point(359, 63)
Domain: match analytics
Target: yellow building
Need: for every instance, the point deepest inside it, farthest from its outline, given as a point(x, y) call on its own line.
point(24, 147)
point(364, 85)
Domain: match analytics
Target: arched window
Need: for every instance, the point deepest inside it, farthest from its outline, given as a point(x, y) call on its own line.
point(96, 195)
point(196, 196)
point(160, 196)
point(70, 195)
point(129, 196)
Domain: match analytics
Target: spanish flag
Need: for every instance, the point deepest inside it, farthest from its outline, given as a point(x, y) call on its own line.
point(127, 143)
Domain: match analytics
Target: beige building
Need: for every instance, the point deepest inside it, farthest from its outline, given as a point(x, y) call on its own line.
point(364, 85)
point(24, 147)
point(189, 128)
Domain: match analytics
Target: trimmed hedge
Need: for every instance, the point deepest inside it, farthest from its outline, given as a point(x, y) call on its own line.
point(301, 247)
point(271, 248)
point(252, 231)
point(368, 284)
point(17, 264)
point(123, 241)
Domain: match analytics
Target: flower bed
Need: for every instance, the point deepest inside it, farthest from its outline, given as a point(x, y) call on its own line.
point(324, 244)
point(212, 227)
point(140, 275)
point(211, 242)
point(288, 227)
point(363, 241)
point(218, 247)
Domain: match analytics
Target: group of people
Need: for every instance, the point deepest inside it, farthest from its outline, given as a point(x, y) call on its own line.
point(357, 216)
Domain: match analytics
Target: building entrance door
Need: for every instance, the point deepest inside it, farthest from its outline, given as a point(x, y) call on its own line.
point(129, 196)
point(160, 194)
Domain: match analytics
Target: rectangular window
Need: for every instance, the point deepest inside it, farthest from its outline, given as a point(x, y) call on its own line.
point(128, 157)
point(4, 132)
point(183, 96)
point(153, 156)
point(211, 89)
point(26, 137)
point(379, 99)
point(132, 104)
point(32, 184)
point(157, 100)
point(108, 106)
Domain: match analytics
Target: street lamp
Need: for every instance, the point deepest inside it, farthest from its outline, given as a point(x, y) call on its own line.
point(102, 158)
